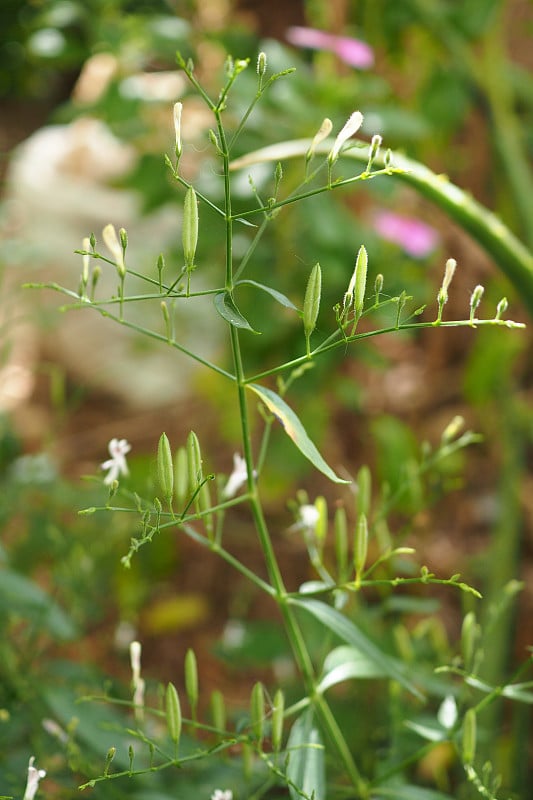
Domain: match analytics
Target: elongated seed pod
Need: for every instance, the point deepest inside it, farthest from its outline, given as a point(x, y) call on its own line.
point(173, 713)
point(469, 736)
point(277, 720)
point(194, 460)
point(181, 475)
point(360, 547)
point(312, 300)
point(321, 527)
point(191, 680)
point(189, 231)
point(364, 490)
point(165, 467)
point(218, 710)
point(257, 710)
point(341, 542)
point(361, 268)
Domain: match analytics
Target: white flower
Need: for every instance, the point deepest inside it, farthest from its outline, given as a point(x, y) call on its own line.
point(137, 682)
point(322, 133)
point(238, 477)
point(351, 127)
point(222, 794)
point(447, 714)
point(308, 516)
point(34, 776)
point(117, 463)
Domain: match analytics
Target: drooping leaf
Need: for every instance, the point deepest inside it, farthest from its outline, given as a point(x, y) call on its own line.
point(225, 305)
point(408, 792)
point(281, 298)
point(306, 769)
point(21, 596)
point(294, 429)
point(343, 627)
point(345, 663)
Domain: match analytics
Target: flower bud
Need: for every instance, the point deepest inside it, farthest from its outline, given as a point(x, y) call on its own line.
point(261, 64)
point(378, 286)
point(277, 720)
point(189, 232)
point(469, 736)
point(165, 468)
point(191, 680)
point(475, 300)
point(501, 308)
point(375, 144)
point(92, 240)
point(173, 713)
point(312, 302)
point(178, 107)
point(322, 133)
point(351, 126)
point(452, 429)
point(109, 235)
point(361, 266)
point(123, 235)
point(110, 755)
point(86, 245)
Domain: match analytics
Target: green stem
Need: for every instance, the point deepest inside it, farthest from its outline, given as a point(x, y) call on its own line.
point(513, 258)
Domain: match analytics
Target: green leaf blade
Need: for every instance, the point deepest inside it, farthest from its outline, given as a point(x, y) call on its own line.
point(225, 305)
point(294, 430)
point(306, 769)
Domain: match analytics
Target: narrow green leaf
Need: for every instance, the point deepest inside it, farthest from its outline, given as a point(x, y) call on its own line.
point(343, 627)
point(225, 305)
point(408, 792)
point(281, 298)
point(347, 663)
point(306, 769)
point(294, 429)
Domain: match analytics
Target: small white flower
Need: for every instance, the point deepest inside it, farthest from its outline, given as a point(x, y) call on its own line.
point(238, 477)
point(136, 680)
point(322, 133)
point(34, 776)
point(351, 127)
point(118, 448)
point(222, 794)
point(51, 727)
point(447, 714)
point(308, 516)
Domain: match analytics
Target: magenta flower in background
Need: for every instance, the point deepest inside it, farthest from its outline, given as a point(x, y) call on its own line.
point(415, 237)
point(352, 51)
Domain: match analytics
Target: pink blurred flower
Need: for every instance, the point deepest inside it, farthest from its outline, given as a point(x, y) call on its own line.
point(415, 237)
point(352, 51)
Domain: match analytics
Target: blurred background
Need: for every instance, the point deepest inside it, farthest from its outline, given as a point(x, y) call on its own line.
point(86, 95)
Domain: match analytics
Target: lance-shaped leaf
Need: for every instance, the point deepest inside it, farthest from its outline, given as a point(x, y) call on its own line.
point(294, 429)
point(346, 630)
point(281, 298)
point(306, 769)
point(225, 305)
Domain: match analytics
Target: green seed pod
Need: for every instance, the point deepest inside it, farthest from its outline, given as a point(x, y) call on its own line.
point(218, 710)
point(360, 547)
point(364, 490)
point(165, 467)
point(312, 301)
point(191, 681)
point(321, 526)
point(278, 709)
point(257, 711)
point(189, 232)
point(247, 760)
point(341, 542)
point(194, 461)
point(469, 635)
point(361, 268)
point(205, 504)
point(173, 713)
point(469, 736)
point(166, 319)
point(181, 475)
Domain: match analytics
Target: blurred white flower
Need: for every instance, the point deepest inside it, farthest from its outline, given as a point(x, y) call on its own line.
point(222, 794)
point(308, 516)
point(447, 714)
point(118, 448)
point(34, 776)
point(352, 126)
point(238, 477)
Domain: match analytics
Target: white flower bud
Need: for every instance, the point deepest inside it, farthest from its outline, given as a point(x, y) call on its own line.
point(352, 126)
